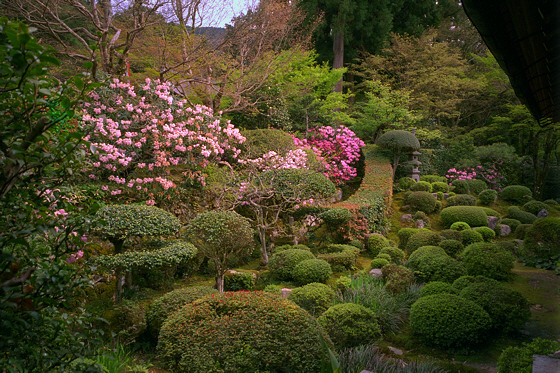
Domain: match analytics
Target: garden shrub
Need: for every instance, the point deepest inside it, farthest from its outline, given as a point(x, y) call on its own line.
point(517, 194)
point(439, 197)
point(514, 212)
point(487, 197)
point(281, 264)
point(272, 288)
point(520, 359)
point(170, 302)
point(237, 281)
point(350, 325)
point(551, 202)
point(336, 216)
point(451, 234)
point(491, 212)
point(461, 200)
point(514, 247)
point(476, 186)
point(448, 321)
point(472, 215)
point(420, 215)
point(422, 238)
point(415, 258)
point(521, 230)
point(127, 320)
point(460, 226)
point(469, 236)
point(241, 332)
point(379, 263)
point(512, 223)
point(404, 235)
point(534, 207)
point(397, 278)
point(508, 309)
point(277, 249)
point(375, 243)
point(439, 186)
point(464, 281)
point(487, 233)
point(433, 179)
point(396, 254)
point(357, 244)
point(405, 183)
point(487, 259)
point(312, 270)
point(343, 282)
point(460, 187)
point(437, 287)
point(452, 247)
point(340, 257)
point(543, 239)
point(315, 297)
point(431, 263)
point(421, 186)
point(384, 256)
point(261, 141)
point(421, 201)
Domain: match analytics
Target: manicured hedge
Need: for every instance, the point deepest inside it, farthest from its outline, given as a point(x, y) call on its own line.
point(452, 247)
point(461, 200)
point(376, 242)
point(472, 215)
point(543, 238)
point(315, 298)
point(422, 238)
point(520, 359)
point(534, 207)
point(312, 270)
point(421, 201)
point(431, 263)
point(437, 287)
point(282, 263)
point(524, 217)
point(517, 194)
point(487, 197)
point(487, 259)
point(340, 257)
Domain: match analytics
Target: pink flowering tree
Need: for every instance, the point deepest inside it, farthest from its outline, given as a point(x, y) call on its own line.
point(137, 135)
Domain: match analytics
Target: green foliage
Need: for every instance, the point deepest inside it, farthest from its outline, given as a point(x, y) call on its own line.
point(460, 226)
point(520, 359)
point(398, 141)
point(350, 325)
point(460, 187)
point(437, 287)
point(396, 254)
point(170, 302)
point(315, 297)
point(237, 281)
point(543, 240)
point(421, 186)
point(405, 183)
point(472, 215)
point(404, 235)
point(421, 201)
point(451, 234)
point(487, 259)
point(376, 242)
point(384, 256)
point(277, 249)
point(534, 207)
point(487, 233)
point(282, 263)
point(512, 223)
point(261, 141)
point(440, 186)
point(434, 179)
point(487, 197)
point(476, 185)
point(312, 270)
point(292, 182)
point(379, 263)
point(491, 212)
point(464, 281)
point(241, 332)
point(514, 212)
point(507, 308)
point(448, 321)
point(452, 247)
point(521, 230)
point(127, 320)
point(431, 263)
point(340, 257)
point(517, 194)
point(422, 238)
point(469, 236)
point(397, 278)
point(461, 200)
point(336, 217)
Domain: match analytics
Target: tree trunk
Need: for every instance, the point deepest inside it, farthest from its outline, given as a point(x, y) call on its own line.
point(396, 157)
point(338, 62)
point(262, 238)
point(119, 271)
point(220, 281)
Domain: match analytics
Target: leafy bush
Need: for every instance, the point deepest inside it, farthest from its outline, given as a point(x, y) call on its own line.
point(315, 298)
point(127, 320)
point(524, 217)
point(476, 185)
point(282, 264)
point(405, 183)
point(312, 270)
point(423, 238)
point(521, 230)
point(277, 249)
point(451, 234)
point(461, 200)
point(543, 239)
point(396, 254)
point(421, 201)
point(448, 321)
point(551, 202)
point(170, 302)
point(437, 287)
point(487, 233)
point(421, 186)
point(404, 235)
point(384, 256)
point(379, 263)
point(472, 215)
point(452, 247)
point(376, 242)
point(464, 281)
point(491, 212)
point(512, 223)
point(336, 216)
point(520, 359)
point(241, 332)
point(534, 207)
point(261, 141)
point(433, 179)
point(460, 226)
point(237, 281)
point(487, 197)
point(439, 186)
point(507, 308)
point(469, 236)
point(357, 244)
point(487, 259)
point(517, 194)
point(431, 263)
point(460, 187)
point(397, 278)
point(350, 325)
point(340, 257)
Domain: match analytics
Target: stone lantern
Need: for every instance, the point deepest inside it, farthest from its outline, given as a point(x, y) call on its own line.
point(414, 162)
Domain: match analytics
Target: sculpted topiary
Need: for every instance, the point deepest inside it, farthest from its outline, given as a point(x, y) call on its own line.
point(399, 142)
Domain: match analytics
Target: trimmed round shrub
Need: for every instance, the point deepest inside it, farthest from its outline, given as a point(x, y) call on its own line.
point(524, 217)
point(421, 186)
point(448, 321)
point(404, 235)
point(543, 238)
point(487, 197)
point(515, 247)
point(396, 254)
point(420, 215)
point(551, 202)
point(277, 249)
point(487, 233)
point(336, 216)
point(521, 230)
point(512, 223)
point(241, 332)
point(487, 259)
point(460, 226)
point(312, 270)
point(170, 302)
point(462, 200)
point(417, 256)
point(476, 185)
point(315, 298)
point(397, 278)
point(460, 187)
point(520, 359)
point(282, 264)
point(534, 207)
point(439, 197)
point(439, 186)
point(357, 244)
point(405, 183)
point(379, 263)
point(472, 215)
point(491, 212)
point(375, 243)
point(431, 263)
point(433, 179)
point(517, 194)
point(423, 238)
point(464, 281)
point(507, 308)
point(236, 281)
point(421, 201)
point(437, 287)
point(452, 247)
point(451, 234)
point(350, 325)
point(469, 236)
point(340, 257)
point(384, 256)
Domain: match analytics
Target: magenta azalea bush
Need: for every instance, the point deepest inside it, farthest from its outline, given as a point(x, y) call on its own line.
point(490, 175)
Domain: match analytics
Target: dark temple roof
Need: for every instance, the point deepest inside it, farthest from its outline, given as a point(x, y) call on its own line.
point(524, 37)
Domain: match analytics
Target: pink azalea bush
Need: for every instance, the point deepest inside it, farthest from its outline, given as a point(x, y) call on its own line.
point(137, 135)
point(490, 175)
